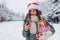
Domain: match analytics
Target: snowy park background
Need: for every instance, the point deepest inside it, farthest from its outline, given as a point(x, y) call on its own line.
point(12, 16)
point(13, 31)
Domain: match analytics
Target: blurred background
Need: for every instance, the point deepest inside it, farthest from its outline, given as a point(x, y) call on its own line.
point(16, 10)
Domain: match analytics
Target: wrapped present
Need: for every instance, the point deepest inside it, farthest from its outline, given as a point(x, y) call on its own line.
point(44, 27)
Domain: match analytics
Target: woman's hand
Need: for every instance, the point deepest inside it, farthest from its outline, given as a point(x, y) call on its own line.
point(27, 26)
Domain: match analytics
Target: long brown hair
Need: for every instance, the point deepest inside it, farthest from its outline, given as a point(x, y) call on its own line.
point(28, 16)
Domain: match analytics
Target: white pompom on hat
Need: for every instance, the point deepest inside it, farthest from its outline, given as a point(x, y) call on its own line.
point(33, 5)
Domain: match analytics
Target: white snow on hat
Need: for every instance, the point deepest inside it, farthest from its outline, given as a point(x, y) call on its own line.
point(33, 5)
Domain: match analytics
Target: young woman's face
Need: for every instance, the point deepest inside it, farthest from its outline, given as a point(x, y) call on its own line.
point(33, 11)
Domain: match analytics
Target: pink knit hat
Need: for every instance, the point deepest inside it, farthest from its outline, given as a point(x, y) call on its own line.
point(33, 5)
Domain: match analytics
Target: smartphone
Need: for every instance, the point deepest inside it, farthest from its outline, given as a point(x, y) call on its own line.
point(26, 21)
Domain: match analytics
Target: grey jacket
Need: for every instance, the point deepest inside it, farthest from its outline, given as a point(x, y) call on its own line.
point(30, 34)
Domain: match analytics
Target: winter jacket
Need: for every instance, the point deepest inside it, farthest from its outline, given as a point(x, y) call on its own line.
point(30, 34)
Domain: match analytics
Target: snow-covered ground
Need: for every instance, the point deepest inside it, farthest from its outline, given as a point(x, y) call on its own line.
point(13, 31)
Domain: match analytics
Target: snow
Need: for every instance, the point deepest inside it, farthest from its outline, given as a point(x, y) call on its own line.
point(56, 15)
point(13, 31)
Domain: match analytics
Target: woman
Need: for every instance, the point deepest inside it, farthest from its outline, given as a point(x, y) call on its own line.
point(34, 25)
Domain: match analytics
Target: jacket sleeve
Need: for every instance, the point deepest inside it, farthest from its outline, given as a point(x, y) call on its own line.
point(49, 33)
point(52, 28)
point(25, 33)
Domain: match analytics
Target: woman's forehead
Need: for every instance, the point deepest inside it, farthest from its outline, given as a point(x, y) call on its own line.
point(32, 9)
